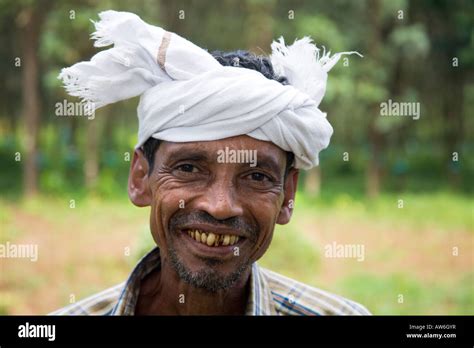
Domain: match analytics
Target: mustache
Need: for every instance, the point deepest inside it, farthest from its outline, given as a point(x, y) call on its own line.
point(182, 218)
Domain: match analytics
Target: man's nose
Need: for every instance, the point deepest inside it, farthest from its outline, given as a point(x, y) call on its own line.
point(221, 201)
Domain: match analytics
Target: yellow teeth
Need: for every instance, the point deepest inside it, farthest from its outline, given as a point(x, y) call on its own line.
point(226, 240)
point(213, 239)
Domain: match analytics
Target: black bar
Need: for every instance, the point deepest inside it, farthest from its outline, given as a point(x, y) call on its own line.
point(240, 330)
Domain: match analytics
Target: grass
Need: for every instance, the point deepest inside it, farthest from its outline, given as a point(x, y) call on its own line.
point(440, 210)
point(291, 254)
point(403, 294)
point(408, 250)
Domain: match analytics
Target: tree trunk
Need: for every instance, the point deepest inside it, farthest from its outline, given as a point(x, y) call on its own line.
point(260, 19)
point(312, 183)
point(373, 169)
point(91, 161)
point(30, 21)
point(169, 12)
point(452, 113)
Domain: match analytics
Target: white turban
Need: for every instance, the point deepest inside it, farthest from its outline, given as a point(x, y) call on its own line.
point(187, 95)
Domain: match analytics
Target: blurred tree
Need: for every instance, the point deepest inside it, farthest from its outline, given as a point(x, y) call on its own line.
point(30, 21)
point(374, 135)
point(395, 37)
point(450, 25)
point(260, 23)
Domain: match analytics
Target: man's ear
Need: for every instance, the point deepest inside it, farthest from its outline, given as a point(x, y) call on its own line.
point(138, 187)
point(291, 184)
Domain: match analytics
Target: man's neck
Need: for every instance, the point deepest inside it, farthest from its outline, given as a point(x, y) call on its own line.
point(162, 292)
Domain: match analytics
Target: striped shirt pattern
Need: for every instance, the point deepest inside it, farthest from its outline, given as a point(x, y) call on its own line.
point(270, 294)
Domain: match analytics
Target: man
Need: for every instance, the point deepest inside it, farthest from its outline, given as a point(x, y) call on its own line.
point(221, 140)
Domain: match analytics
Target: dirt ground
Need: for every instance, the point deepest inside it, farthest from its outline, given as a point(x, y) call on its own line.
point(424, 253)
point(75, 250)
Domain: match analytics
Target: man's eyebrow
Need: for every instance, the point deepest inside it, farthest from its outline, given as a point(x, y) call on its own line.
point(268, 162)
point(191, 154)
point(188, 154)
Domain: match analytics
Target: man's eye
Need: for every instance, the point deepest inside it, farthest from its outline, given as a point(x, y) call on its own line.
point(259, 177)
point(188, 168)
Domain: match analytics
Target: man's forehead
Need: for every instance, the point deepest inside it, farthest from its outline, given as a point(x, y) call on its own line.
point(266, 154)
point(241, 142)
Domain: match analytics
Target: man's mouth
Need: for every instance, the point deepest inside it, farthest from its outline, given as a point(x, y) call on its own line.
point(212, 239)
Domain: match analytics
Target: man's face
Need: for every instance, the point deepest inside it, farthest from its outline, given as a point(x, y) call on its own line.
point(212, 217)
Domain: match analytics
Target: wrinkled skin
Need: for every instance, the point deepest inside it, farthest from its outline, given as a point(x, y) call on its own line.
point(188, 188)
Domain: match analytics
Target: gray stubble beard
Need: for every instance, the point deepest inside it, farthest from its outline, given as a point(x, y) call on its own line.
point(208, 279)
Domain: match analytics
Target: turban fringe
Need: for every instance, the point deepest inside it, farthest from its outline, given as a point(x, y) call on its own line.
point(187, 95)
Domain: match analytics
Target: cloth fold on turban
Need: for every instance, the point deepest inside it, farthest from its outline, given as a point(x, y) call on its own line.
point(187, 95)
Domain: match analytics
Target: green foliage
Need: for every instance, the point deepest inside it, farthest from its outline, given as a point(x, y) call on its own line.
point(411, 42)
point(405, 295)
point(324, 32)
point(291, 254)
point(399, 55)
point(440, 211)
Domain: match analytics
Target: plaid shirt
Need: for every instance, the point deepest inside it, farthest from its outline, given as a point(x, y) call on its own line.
point(270, 294)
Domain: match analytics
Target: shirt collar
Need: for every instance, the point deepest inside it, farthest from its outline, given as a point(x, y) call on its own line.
point(260, 300)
